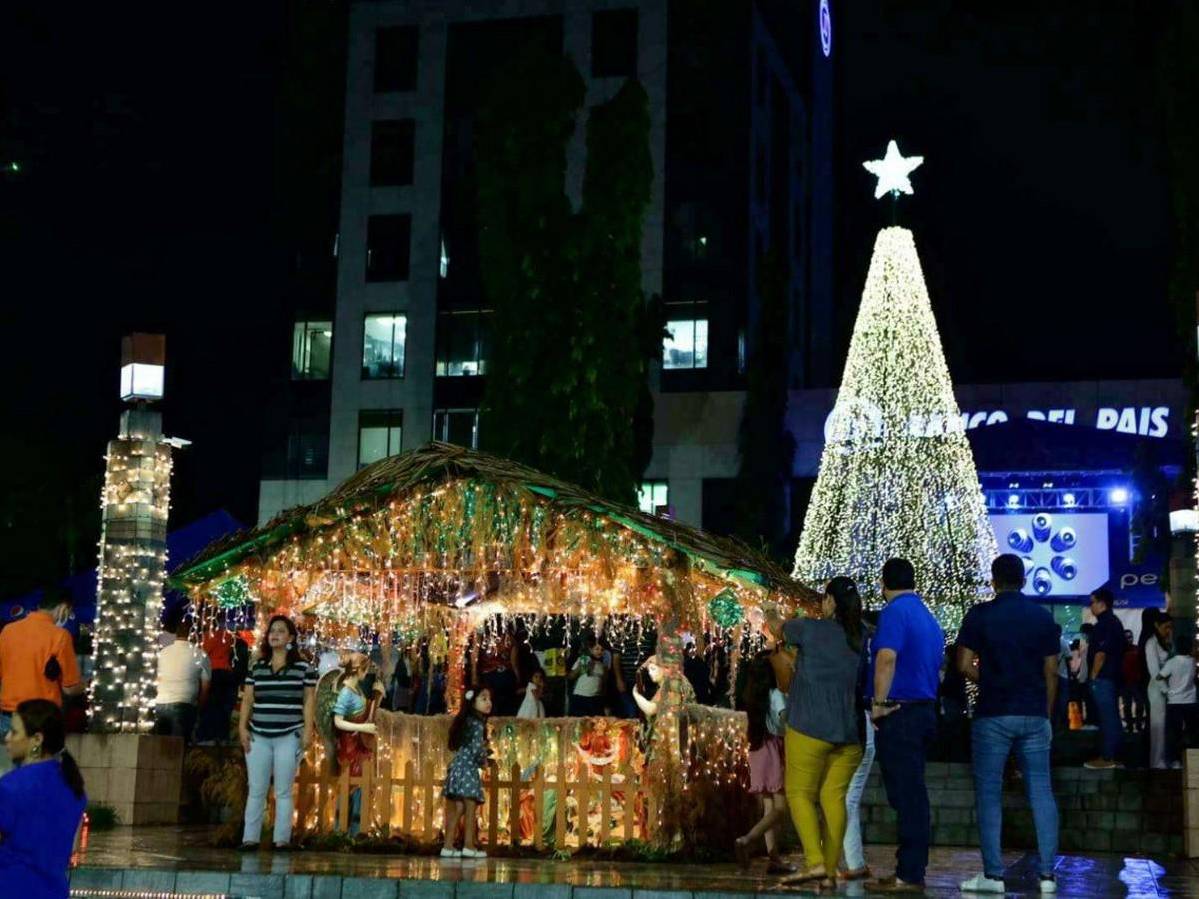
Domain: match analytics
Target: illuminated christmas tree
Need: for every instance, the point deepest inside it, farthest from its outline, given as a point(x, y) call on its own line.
point(897, 476)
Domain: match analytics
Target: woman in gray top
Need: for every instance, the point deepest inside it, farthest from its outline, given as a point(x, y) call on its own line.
point(823, 745)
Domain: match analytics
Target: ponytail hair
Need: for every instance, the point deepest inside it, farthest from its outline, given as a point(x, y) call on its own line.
point(755, 698)
point(40, 716)
point(847, 609)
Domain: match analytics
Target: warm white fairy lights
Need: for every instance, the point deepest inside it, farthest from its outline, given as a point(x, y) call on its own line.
point(897, 476)
point(135, 504)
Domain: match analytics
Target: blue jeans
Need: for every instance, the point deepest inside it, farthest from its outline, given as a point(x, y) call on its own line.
point(1103, 692)
point(994, 740)
point(851, 847)
point(276, 757)
point(901, 744)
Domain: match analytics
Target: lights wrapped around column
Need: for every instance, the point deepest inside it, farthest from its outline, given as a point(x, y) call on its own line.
point(135, 504)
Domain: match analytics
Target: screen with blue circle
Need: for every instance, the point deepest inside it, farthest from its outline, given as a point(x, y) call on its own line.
point(1065, 554)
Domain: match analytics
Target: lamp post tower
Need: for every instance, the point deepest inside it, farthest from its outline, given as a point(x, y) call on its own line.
point(134, 504)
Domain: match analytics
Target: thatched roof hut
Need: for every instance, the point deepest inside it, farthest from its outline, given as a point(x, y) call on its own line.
point(443, 527)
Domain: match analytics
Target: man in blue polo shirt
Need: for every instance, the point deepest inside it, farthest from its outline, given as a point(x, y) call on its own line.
point(907, 649)
point(1010, 648)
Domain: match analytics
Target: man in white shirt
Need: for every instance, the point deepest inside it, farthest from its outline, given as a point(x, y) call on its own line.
point(1182, 712)
point(532, 706)
point(183, 680)
point(589, 673)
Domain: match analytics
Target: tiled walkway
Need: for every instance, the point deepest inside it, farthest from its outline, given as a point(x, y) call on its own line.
point(167, 858)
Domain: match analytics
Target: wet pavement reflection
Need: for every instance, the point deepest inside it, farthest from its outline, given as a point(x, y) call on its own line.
point(188, 849)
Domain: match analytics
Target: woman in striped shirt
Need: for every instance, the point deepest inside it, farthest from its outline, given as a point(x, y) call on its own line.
point(277, 710)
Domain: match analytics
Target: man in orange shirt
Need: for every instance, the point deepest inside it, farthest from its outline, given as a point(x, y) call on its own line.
point(37, 658)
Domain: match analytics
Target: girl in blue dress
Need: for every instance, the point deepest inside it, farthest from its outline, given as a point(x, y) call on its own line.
point(463, 782)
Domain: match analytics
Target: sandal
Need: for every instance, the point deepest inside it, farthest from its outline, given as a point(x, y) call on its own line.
point(804, 877)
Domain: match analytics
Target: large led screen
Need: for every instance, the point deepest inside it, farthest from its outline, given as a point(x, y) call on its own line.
point(1064, 554)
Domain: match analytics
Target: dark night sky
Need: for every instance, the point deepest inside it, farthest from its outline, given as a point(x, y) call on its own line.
point(1041, 212)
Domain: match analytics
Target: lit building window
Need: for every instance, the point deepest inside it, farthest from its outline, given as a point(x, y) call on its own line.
point(383, 346)
point(379, 434)
point(653, 497)
point(311, 346)
point(463, 341)
point(459, 426)
point(685, 344)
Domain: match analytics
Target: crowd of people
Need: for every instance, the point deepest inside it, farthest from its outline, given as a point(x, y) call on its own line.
point(863, 689)
point(831, 695)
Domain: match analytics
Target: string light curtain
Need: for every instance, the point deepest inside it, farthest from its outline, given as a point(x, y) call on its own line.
point(418, 541)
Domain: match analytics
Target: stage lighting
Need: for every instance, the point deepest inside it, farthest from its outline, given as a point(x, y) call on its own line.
point(1118, 496)
point(1042, 582)
point(1019, 540)
point(1069, 499)
point(1013, 500)
point(1064, 540)
point(1065, 568)
point(1042, 524)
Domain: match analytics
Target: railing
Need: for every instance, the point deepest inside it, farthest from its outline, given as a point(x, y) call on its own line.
point(563, 783)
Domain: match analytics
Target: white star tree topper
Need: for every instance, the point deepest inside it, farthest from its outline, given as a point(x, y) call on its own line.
point(892, 171)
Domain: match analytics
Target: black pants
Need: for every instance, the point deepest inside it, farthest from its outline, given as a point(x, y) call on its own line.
point(176, 719)
point(586, 706)
point(1182, 730)
point(901, 745)
point(215, 716)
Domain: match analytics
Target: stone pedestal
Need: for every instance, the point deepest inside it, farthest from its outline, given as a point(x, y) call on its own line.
point(139, 775)
point(1190, 800)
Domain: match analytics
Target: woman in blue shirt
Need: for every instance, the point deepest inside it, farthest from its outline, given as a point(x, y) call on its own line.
point(35, 849)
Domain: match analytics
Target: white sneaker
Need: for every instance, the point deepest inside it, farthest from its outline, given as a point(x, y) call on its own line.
point(451, 853)
point(1048, 884)
point(473, 853)
point(981, 883)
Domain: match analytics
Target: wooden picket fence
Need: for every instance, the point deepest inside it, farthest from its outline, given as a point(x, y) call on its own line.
point(407, 802)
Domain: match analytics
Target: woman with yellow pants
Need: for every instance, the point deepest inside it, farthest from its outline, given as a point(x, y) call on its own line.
point(823, 740)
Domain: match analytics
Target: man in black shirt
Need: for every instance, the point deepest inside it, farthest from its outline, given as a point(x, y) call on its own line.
point(1105, 654)
point(1009, 647)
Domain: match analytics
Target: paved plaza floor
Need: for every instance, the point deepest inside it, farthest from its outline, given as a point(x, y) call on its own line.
point(180, 859)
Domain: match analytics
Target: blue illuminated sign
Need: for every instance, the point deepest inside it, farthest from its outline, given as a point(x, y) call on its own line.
point(826, 28)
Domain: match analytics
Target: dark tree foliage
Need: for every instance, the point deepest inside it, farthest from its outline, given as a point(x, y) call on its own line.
point(573, 336)
point(49, 515)
point(767, 447)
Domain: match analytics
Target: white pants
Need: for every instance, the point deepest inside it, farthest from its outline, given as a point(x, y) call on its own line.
point(853, 857)
point(276, 757)
point(1157, 727)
